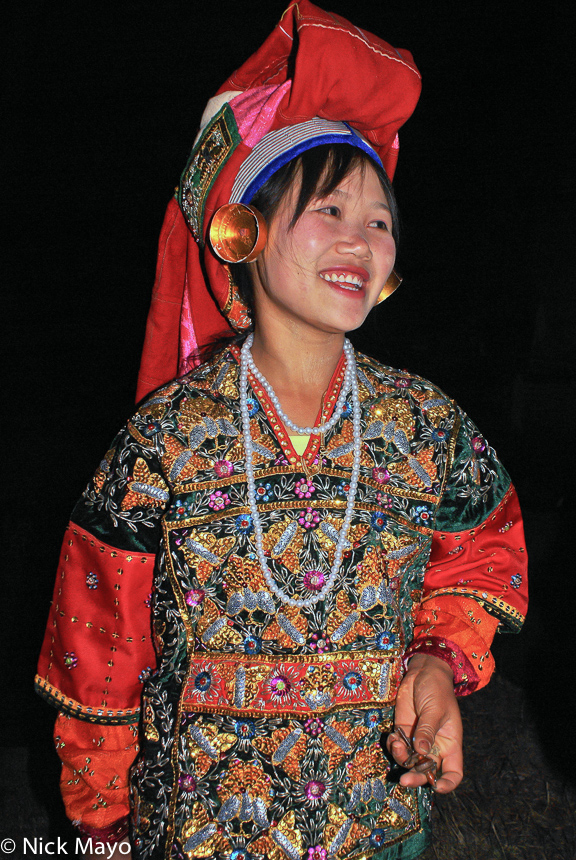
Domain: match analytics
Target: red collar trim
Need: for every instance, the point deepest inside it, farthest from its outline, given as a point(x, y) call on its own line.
point(278, 427)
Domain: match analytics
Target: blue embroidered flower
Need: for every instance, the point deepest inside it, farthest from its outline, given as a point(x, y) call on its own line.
point(151, 428)
point(252, 405)
point(263, 492)
point(377, 837)
point(372, 717)
point(385, 640)
point(244, 524)
point(352, 680)
point(144, 674)
point(439, 434)
point(92, 580)
point(347, 411)
point(252, 644)
point(203, 681)
point(245, 729)
point(343, 488)
point(241, 854)
point(422, 515)
point(516, 580)
point(378, 521)
point(182, 509)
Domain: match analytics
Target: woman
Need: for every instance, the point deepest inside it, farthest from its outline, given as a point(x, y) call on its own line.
point(329, 544)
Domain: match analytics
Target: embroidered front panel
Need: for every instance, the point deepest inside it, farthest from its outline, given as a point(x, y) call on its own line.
point(277, 711)
point(263, 720)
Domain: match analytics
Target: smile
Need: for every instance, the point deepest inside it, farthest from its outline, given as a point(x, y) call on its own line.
point(347, 282)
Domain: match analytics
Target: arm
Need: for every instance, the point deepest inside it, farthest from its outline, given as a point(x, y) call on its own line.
point(474, 582)
point(97, 649)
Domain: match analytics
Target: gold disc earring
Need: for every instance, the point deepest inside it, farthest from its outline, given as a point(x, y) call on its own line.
point(393, 282)
point(237, 233)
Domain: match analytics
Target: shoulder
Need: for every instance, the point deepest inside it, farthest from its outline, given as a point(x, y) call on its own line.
point(207, 392)
point(387, 381)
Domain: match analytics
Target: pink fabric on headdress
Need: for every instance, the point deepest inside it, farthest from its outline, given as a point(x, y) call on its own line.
point(255, 111)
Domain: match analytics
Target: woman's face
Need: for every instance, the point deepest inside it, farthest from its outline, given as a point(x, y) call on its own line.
point(326, 273)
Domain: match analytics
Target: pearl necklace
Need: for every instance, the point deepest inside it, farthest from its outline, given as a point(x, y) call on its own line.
point(338, 409)
point(247, 362)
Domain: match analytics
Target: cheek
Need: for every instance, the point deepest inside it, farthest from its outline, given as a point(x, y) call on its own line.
point(309, 241)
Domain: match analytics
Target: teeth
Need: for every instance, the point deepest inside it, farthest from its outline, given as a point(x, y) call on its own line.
point(355, 280)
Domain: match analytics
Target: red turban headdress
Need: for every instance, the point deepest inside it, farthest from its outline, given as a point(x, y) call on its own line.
point(315, 65)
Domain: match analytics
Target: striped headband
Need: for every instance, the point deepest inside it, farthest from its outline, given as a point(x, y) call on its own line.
point(279, 147)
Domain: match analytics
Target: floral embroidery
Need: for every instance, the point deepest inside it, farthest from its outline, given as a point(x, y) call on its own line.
point(304, 488)
point(378, 521)
point(309, 519)
point(219, 500)
point(282, 705)
point(422, 514)
point(70, 660)
point(224, 468)
point(264, 492)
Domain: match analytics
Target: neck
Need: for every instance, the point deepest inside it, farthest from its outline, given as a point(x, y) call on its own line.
point(297, 365)
point(298, 369)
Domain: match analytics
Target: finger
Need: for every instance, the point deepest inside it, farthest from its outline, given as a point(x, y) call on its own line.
point(448, 781)
point(398, 746)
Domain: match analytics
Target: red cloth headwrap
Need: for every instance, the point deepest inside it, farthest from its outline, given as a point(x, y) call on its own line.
point(314, 64)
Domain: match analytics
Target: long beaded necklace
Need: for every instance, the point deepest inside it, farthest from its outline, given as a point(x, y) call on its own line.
point(350, 382)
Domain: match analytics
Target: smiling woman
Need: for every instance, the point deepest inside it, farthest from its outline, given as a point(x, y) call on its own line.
point(292, 559)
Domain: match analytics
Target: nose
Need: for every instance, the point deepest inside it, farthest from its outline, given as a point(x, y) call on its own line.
point(355, 241)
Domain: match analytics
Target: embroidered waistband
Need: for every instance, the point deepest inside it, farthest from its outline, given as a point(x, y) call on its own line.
point(291, 687)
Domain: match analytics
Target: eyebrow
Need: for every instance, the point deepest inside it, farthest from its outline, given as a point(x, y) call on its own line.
point(376, 204)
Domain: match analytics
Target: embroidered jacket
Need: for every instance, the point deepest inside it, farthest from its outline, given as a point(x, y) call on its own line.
point(261, 723)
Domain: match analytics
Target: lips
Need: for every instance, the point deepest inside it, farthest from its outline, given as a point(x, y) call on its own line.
point(350, 278)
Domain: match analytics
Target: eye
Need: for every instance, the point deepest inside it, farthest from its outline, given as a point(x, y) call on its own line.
point(330, 210)
point(380, 225)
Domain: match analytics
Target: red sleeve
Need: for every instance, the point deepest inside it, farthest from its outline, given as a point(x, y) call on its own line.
point(97, 647)
point(475, 580)
point(96, 761)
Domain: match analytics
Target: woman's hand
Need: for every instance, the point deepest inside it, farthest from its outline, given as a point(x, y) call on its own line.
point(427, 710)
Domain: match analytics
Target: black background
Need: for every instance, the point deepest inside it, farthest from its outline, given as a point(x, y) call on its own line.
point(103, 105)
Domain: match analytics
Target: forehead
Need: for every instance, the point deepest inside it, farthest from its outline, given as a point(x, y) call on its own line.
point(360, 185)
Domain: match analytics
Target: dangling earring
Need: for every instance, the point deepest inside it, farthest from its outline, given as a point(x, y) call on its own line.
point(393, 282)
point(237, 233)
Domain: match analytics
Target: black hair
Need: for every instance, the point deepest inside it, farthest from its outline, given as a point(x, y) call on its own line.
point(321, 170)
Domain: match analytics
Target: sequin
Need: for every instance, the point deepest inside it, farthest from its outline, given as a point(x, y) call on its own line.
point(200, 836)
point(285, 844)
point(289, 628)
point(148, 490)
point(285, 539)
point(286, 745)
point(346, 625)
point(399, 809)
